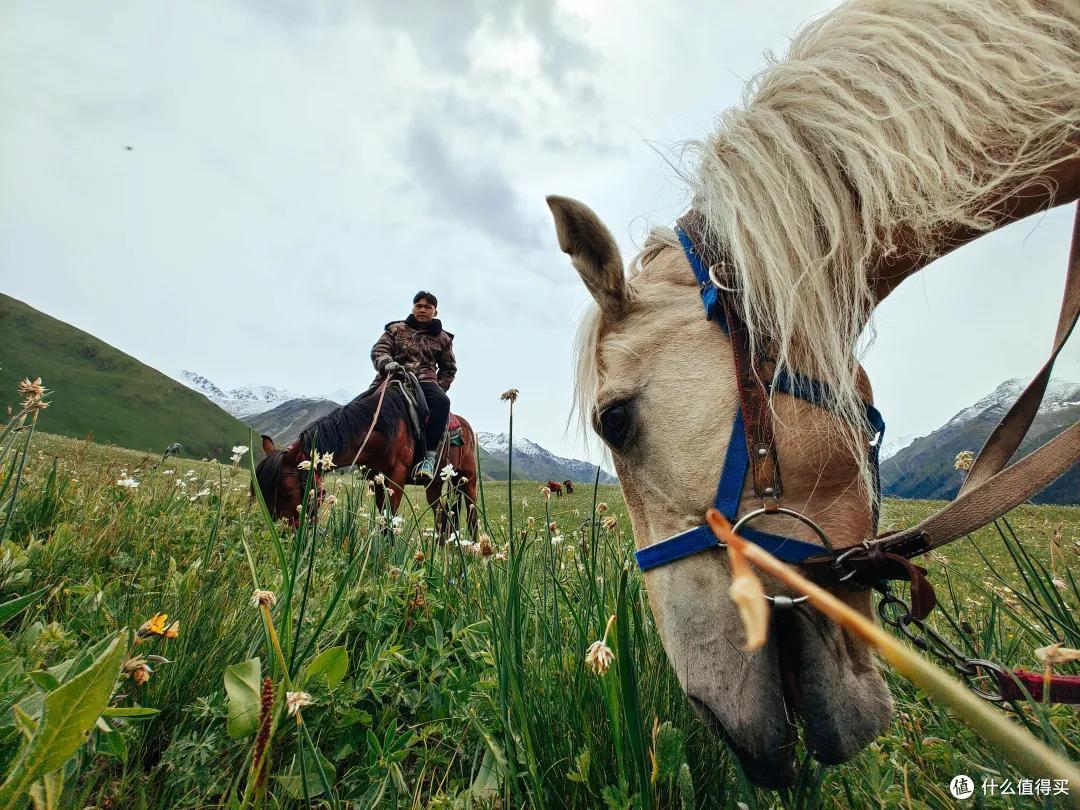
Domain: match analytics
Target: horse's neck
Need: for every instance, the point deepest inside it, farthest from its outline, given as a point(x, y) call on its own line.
point(1058, 187)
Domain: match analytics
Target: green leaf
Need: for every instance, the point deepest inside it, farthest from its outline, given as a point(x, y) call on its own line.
point(330, 665)
point(66, 718)
point(631, 700)
point(26, 724)
point(67, 670)
point(111, 743)
point(489, 778)
point(686, 787)
point(45, 793)
point(243, 685)
point(133, 712)
point(45, 681)
point(293, 780)
point(580, 772)
point(10, 609)
point(669, 750)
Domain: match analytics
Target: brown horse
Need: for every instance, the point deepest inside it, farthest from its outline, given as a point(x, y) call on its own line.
point(568, 485)
point(388, 448)
point(555, 487)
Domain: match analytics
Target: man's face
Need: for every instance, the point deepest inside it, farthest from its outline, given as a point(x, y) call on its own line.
point(423, 310)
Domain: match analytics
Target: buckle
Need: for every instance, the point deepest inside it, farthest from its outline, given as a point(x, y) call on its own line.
point(838, 563)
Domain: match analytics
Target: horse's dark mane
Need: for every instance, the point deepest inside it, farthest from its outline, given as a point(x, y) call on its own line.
point(331, 433)
point(268, 474)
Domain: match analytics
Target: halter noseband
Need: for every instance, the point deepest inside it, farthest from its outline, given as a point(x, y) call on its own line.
point(751, 449)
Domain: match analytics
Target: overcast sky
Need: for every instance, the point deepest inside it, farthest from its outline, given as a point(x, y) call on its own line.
point(304, 167)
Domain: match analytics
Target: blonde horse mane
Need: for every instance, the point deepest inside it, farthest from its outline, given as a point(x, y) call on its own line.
point(888, 122)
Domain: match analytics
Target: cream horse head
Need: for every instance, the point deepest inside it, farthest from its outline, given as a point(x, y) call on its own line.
point(892, 133)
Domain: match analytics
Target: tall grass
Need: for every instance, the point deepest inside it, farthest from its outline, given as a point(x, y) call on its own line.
point(466, 683)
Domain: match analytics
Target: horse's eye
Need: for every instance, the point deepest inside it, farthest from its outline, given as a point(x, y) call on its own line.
point(615, 424)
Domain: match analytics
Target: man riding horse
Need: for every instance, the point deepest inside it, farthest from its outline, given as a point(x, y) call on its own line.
point(421, 346)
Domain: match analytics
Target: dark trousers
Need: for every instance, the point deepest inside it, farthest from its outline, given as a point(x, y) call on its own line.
point(439, 405)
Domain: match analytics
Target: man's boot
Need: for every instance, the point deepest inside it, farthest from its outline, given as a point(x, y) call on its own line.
point(424, 472)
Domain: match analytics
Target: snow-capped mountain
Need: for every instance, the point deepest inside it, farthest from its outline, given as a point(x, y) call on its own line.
point(1059, 394)
point(534, 462)
point(247, 400)
point(893, 446)
point(925, 467)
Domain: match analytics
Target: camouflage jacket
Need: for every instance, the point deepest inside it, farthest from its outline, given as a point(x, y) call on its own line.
point(427, 350)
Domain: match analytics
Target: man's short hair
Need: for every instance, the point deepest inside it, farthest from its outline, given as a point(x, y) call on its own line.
point(424, 295)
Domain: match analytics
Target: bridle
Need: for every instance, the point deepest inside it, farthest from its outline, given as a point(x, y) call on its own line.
point(751, 448)
point(990, 489)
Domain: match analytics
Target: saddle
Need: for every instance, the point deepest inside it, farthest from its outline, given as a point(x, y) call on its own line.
point(418, 412)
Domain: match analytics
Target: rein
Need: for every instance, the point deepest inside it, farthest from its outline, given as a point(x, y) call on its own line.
point(375, 418)
point(989, 491)
point(304, 456)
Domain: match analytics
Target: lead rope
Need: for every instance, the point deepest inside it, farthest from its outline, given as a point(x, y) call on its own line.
point(988, 680)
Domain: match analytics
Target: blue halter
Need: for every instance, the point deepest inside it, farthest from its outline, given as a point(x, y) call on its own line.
point(737, 461)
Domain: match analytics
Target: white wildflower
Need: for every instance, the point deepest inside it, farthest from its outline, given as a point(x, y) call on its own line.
point(260, 598)
point(447, 472)
point(599, 656)
point(295, 701)
point(129, 483)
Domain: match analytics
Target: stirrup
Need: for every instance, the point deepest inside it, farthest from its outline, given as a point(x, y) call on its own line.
point(425, 469)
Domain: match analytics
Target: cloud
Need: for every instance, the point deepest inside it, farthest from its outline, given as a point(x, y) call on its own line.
point(475, 195)
point(447, 36)
point(447, 39)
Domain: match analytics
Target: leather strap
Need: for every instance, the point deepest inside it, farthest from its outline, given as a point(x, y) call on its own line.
point(990, 491)
point(1063, 688)
point(1010, 431)
point(750, 373)
point(751, 369)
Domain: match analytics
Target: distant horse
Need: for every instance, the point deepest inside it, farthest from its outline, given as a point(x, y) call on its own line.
point(891, 134)
point(568, 485)
point(555, 487)
point(388, 447)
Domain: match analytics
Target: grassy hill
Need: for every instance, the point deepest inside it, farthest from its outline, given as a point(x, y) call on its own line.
point(100, 391)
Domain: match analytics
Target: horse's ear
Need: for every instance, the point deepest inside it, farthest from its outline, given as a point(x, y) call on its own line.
point(268, 444)
point(593, 252)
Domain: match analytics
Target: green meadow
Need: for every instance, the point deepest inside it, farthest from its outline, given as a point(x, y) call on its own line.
point(434, 676)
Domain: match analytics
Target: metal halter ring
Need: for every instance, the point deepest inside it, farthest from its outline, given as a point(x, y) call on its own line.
point(785, 601)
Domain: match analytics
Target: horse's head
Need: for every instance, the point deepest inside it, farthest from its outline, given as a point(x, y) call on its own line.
point(281, 481)
point(658, 380)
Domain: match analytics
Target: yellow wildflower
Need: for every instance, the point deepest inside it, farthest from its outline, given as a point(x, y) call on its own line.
point(964, 460)
point(154, 626)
